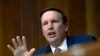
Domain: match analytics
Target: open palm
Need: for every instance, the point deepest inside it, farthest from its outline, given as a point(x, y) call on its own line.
point(20, 47)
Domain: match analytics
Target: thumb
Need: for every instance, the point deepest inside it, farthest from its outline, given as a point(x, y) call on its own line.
point(32, 51)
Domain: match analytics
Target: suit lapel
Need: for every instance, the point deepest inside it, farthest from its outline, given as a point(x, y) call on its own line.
point(48, 49)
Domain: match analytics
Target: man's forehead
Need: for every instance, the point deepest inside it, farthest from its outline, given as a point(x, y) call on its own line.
point(51, 11)
point(51, 14)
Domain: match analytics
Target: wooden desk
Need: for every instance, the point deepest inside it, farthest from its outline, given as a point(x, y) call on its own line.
point(90, 49)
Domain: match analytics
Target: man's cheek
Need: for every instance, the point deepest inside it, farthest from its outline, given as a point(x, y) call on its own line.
point(60, 28)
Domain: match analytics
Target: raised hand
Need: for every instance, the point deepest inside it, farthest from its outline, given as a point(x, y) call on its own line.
point(20, 47)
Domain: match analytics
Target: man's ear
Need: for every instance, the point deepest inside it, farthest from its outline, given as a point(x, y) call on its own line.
point(66, 27)
point(42, 31)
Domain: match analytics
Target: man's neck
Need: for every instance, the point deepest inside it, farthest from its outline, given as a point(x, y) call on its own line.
point(57, 43)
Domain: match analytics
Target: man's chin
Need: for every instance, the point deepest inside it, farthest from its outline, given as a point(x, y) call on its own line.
point(52, 41)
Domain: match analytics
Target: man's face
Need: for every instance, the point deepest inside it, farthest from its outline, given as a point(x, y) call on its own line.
point(52, 26)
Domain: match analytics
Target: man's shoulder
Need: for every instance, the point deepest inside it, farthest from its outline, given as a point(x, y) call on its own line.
point(79, 39)
point(43, 50)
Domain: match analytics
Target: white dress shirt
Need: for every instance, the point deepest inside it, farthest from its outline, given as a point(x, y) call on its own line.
point(63, 46)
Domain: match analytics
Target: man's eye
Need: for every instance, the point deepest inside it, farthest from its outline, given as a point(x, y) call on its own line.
point(55, 21)
point(44, 23)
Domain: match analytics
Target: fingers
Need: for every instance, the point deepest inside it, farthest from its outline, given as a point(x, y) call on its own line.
point(20, 47)
point(19, 41)
point(24, 41)
point(14, 43)
point(11, 48)
point(31, 51)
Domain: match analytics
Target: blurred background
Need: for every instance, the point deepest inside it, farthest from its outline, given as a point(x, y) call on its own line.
point(21, 17)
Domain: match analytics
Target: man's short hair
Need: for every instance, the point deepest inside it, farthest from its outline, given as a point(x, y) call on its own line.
point(64, 18)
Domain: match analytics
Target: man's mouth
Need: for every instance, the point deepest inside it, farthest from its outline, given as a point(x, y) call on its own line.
point(51, 34)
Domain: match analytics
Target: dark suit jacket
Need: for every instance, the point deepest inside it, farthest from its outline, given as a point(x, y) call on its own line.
point(71, 40)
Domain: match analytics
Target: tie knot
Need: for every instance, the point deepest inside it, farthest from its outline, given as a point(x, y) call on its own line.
point(57, 50)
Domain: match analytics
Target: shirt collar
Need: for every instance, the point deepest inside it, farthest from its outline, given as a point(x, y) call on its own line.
point(63, 46)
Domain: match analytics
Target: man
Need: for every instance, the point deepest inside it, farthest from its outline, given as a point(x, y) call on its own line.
point(55, 28)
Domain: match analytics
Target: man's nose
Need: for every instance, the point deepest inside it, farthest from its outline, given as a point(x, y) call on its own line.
point(50, 26)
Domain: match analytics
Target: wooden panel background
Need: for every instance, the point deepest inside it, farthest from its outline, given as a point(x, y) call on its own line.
point(21, 17)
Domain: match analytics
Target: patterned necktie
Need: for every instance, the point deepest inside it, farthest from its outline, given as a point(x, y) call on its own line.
point(57, 50)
